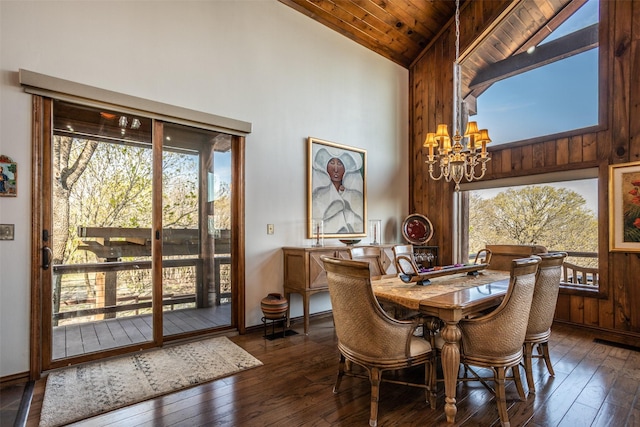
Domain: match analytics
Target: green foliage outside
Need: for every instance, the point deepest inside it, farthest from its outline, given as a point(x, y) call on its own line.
point(556, 218)
point(112, 187)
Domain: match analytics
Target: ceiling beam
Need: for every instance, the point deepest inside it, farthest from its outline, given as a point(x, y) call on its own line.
point(564, 47)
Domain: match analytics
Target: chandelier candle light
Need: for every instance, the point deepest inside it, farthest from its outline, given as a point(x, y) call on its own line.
point(458, 161)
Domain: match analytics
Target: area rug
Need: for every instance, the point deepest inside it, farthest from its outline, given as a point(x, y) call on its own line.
point(84, 391)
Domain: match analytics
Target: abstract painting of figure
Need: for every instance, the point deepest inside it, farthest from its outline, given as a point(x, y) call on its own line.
point(337, 188)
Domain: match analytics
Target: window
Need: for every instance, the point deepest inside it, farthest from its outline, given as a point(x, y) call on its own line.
point(555, 95)
point(560, 215)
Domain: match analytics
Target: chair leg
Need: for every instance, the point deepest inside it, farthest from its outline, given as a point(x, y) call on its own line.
point(431, 381)
point(528, 366)
point(501, 397)
point(518, 380)
point(544, 347)
point(340, 373)
point(375, 377)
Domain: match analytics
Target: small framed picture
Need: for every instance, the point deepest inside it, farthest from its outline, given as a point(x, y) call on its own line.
point(624, 207)
point(336, 193)
point(8, 177)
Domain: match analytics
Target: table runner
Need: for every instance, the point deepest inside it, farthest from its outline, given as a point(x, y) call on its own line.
point(409, 295)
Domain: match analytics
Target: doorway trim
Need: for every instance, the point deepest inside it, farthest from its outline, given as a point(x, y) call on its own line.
point(42, 86)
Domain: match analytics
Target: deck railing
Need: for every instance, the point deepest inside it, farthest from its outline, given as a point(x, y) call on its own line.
point(119, 300)
point(580, 270)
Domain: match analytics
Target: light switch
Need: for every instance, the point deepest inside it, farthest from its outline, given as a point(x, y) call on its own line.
point(270, 229)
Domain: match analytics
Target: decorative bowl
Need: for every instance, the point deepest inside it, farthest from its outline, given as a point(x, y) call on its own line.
point(350, 242)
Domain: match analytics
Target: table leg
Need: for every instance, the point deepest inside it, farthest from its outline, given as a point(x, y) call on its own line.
point(287, 295)
point(305, 308)
point(450, 357)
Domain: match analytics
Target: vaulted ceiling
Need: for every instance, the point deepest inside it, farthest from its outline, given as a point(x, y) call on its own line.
point(396, 29)
point(401, 29)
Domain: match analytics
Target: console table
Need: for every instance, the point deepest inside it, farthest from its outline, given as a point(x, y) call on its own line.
point(304, 272)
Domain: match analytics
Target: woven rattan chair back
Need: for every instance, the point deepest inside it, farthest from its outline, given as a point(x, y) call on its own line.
point(543, 306)
point(496, 339)
point(367, 336)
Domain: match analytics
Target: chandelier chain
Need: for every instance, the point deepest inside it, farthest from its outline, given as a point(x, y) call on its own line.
point(458, 155)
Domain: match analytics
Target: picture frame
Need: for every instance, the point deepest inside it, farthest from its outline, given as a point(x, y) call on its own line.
point(624, 207)
point(8, 177)
point(338, 202)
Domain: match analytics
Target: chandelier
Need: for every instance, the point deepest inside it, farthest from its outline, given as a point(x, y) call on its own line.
point(460, 159)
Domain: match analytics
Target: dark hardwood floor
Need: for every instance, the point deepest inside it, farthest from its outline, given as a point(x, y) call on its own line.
point(595, 385)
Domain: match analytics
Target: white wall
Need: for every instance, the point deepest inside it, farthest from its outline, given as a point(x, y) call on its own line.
point(257, 61)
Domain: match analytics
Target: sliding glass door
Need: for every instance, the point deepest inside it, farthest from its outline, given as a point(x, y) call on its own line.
point(136, 232)
point(196, 235)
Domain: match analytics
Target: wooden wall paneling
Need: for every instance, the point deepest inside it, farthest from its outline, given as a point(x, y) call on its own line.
point(577, 308)
point(423, 104)
point(605, 303)
point(505, 161)
point(575, 149)
point(562, 151)
point(605, 313)
point(538, 153)
point(516, 159)
point(605, 69)
point(632, 283)
point(416, 111)
point(617, 296)
point(527, 157)
point(621, 80)
point(634, 86)
point(495, 164)
point(617, 307)
point(420, 109)
point(550, 148)
point(589, 147)
point(623, 288)
point(633, 288)
point(563, 308)
point(591, 311)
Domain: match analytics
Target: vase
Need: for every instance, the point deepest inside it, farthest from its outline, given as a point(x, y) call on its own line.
point(274, 306)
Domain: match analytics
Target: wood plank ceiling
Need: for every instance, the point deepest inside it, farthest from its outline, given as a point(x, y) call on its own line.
point(400, 30)
point(396, 29)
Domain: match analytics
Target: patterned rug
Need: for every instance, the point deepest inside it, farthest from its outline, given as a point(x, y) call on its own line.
point(84, 391)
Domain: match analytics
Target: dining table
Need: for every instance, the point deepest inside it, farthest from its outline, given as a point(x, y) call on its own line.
point(450, 298)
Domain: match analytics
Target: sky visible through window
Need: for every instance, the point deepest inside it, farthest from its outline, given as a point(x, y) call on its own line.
point(554, 98)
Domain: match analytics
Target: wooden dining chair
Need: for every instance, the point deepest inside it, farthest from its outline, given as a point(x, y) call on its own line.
point(370, 255)
point(405, 259)
point(370, 338)
point(496, 340)
point(543, 306)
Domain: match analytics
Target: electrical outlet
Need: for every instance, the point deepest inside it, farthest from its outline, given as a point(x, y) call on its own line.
point(270, 229)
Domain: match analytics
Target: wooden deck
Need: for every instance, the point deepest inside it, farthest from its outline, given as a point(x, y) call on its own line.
point(82, 338)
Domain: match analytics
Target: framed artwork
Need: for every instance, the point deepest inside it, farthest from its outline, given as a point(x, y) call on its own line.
point(624, 207)
point(336, 190)
point(8, 177)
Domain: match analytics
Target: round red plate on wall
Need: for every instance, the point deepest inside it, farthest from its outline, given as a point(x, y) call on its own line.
point(417, 229)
